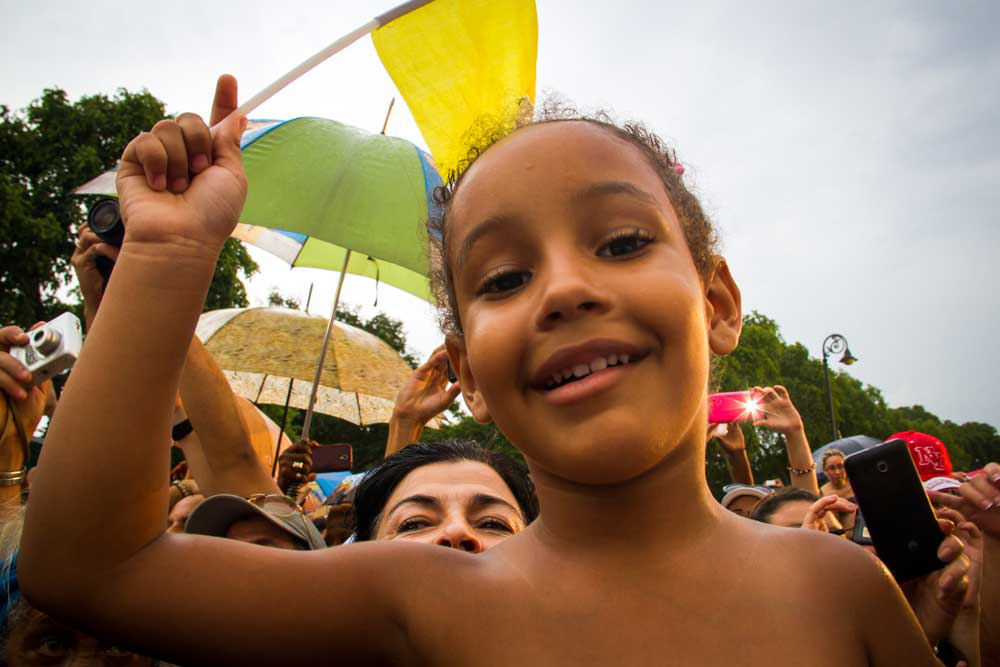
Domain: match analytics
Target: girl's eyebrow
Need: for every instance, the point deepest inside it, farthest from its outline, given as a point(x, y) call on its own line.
point(606, 188)
point(491, 225)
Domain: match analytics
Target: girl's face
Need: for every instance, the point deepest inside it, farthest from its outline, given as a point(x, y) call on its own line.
point(586, 326)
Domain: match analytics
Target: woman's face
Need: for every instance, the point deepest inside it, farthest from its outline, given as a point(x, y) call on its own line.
point(586, 327)
point(835, 471)
point(43, 641)
point(463, 505)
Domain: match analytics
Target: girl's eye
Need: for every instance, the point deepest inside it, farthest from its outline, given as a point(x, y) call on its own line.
point(625, 243)
point(501, 283)
point(410, 525)
point(496, 525)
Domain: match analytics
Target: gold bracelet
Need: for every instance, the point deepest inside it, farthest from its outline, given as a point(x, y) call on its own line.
point(15, 478)
point(802, 471)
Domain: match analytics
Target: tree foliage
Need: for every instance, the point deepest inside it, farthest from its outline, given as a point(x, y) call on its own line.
point(387, 328)
point(764, 358)
point(46, 151)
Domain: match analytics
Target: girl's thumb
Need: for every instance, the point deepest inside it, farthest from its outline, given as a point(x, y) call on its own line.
point(227, 140)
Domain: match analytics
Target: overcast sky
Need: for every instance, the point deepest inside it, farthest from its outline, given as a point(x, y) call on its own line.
point(849, 152)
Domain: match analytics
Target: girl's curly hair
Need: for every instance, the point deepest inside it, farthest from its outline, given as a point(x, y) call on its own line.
point(701, 236)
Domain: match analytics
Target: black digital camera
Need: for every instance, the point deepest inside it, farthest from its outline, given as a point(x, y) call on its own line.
point(105, 220)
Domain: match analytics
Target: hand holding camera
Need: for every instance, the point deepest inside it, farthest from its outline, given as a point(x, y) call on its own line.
point(93, 257)
point(182, 187)
point(17, 381)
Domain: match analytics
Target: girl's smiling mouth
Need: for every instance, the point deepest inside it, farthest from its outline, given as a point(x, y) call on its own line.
point(577, 372)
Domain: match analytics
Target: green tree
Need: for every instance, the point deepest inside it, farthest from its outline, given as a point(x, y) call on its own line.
point(46, 151)
point(276, 299)
point(764, 358)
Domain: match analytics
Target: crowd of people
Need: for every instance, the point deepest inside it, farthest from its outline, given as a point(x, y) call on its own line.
point(582, 298)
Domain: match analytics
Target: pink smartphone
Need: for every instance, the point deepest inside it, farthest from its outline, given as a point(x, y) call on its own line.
point(732, 406)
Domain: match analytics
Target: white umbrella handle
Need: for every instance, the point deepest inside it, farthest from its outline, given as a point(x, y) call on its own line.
point(322, 355)
point(250, 105)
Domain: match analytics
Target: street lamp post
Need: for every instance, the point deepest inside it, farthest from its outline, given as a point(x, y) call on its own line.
point(834, 344)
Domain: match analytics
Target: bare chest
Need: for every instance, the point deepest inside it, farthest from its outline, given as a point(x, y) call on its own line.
point(654, 624)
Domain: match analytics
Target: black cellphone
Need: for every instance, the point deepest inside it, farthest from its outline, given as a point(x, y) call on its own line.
point(897, 512)
point(332, 458)
point(451, 373)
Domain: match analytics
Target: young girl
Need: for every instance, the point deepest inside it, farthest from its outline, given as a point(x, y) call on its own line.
point(585, 302)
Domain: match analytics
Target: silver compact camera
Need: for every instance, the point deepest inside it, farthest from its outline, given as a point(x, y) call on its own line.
point(52, 348)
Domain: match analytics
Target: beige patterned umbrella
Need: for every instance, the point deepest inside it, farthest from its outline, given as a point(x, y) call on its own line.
point(261, 349)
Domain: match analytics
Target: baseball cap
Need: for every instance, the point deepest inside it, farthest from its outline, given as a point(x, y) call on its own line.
point(734, 491)
point(929, 454)
point(941, 484)
point(214, 516)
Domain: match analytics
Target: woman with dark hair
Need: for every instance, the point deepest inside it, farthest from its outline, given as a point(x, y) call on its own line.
point(454, 494)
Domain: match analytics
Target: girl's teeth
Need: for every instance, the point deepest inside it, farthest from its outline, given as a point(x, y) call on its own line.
point(598, 364)
point(567, 374)
point(555, 379)
point(623, 359)
point(580, 370)
point(612, 359)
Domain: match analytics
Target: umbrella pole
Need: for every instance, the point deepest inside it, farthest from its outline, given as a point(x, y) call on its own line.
point(326, 344)
point(288, 399)
point(281, 433)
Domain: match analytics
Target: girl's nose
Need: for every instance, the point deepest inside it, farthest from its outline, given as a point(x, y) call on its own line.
point(570, 293)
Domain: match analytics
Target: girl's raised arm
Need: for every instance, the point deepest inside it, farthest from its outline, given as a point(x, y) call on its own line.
point(94, 551)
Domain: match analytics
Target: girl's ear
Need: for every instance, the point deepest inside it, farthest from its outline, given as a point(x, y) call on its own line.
point(723, 306)
point(460, 365)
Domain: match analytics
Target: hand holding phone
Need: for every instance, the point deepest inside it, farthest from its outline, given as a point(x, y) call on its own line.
point(733, 406)
point(895, 509)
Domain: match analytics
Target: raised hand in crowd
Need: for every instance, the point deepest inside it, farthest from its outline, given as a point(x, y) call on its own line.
point(822, 516)
point(20, 412)
point(946, 602)
point(779, 415)
point(978, 499)
point(734, 449)
point(422, 398)
point(295, 465)
point(798, 508)
point(219, 446)
point(84, 260)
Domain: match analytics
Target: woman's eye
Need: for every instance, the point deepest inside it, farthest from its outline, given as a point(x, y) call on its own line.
point(412, 524)
point(626, 243)
point(496, 525)
point(504, 282)
point(52, 646)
